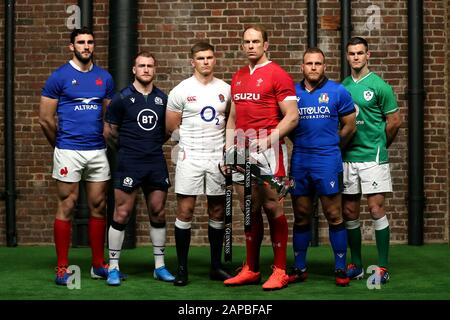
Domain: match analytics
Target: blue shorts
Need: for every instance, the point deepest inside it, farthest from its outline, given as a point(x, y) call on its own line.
point(148, 176)
point(314, 173)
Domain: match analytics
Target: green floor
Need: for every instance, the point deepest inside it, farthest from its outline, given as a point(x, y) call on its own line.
point(417, 273)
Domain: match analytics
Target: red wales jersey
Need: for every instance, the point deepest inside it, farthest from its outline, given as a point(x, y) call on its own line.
point(256, 93)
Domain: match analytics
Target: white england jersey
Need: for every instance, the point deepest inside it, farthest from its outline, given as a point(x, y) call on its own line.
point(202, 128)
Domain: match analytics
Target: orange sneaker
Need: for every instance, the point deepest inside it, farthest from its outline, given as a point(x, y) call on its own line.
point(278, 280)
point(245, 276)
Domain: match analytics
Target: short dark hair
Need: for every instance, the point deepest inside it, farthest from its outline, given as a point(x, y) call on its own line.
point(146, 54)
point(313, 50)
point(260, 28)
point(358, 40)
point(76, 32)
point(201, 46)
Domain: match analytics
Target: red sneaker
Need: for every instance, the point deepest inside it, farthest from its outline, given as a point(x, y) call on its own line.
point(245, 276)
point(298, 275)
point(342, 280)
point(278, 280)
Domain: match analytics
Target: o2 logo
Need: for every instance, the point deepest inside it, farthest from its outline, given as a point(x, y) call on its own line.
point(208, 114)
point(147, 119)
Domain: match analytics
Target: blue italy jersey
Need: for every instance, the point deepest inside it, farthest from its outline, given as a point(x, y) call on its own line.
point(319, 110)
point(141, 122)
point(80, 96)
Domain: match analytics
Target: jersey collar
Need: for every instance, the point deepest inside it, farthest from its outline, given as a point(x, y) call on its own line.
point(74, 65)
point(321, 84)
point(257, 66)
point(356, 81)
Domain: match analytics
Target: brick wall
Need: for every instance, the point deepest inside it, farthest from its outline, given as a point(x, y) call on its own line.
point(169, 28)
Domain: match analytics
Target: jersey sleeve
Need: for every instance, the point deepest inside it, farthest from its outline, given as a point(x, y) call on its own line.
point(109, 87)
point(386, 99)
point(175, 102)
point(346, 104)
point(283, 85)
point(114, 112)
point(53, 86)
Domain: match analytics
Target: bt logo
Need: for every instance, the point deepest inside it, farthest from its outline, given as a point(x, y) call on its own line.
point(147, 119)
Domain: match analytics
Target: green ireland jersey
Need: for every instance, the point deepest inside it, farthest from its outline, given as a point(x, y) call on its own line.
point(373, 99)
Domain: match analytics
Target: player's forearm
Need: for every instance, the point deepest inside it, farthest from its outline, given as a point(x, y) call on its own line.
point(286, 125)
point(393, 123)
point(346, 133)
point(49, 129)
point(229, 132)
point(111, 135)
point(391, 133)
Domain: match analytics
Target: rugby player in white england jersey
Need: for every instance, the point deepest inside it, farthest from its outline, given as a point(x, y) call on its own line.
point(197, 108)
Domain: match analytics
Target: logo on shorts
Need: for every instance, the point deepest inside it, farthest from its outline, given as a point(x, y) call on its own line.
point(64, 171)
point(167, 181)
point(127, 182)
point(368, 95)
point(374, 184)
point(332, 183)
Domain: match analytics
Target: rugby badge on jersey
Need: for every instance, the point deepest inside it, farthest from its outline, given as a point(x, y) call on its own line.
point(258, 82)
point(324, 98)
point(158, 101)
point(99, 82)
point(221, 98)
point(368, 95)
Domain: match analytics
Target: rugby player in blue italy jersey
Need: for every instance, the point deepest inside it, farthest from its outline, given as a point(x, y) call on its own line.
point(71, 116)
point(135, 123)
point(327, 123)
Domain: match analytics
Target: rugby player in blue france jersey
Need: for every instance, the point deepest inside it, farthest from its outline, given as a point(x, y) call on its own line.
point(71, 117)
point(135, 123)
point(327, 123)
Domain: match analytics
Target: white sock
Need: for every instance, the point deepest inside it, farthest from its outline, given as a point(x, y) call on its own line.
point(115, 241)
point(158, 236)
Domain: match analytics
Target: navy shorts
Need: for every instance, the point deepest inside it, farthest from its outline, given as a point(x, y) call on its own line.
point(313, 173)
point(148, 176)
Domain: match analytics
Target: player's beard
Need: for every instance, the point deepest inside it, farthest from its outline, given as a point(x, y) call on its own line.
point(144, 82)
point(82, 59)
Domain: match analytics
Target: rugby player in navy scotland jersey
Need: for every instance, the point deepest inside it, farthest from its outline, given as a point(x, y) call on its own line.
point(135, 124)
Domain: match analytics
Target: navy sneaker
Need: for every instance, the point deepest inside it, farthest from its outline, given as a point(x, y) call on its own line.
point(354, 272)
point(61, 275)
point(163, 274)
point(113, 277)
point(384, 275)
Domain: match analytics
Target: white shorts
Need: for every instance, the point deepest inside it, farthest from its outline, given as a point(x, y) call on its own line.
point(368, 177)
point(194, 177)
point(275, 160)
point(76, 165)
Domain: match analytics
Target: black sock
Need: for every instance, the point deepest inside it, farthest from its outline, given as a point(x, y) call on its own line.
point(215, 237)
point(182, 241)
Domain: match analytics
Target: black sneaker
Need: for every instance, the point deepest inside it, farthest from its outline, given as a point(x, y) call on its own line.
point(181, 278)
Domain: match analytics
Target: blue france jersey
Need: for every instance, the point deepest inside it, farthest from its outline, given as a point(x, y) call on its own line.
point(319, 112)
point(141, 123)
point(80, 96)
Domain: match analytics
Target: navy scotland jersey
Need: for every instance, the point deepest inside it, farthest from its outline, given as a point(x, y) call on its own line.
point(80, 113)
point(141, 124)
point(319, 112)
